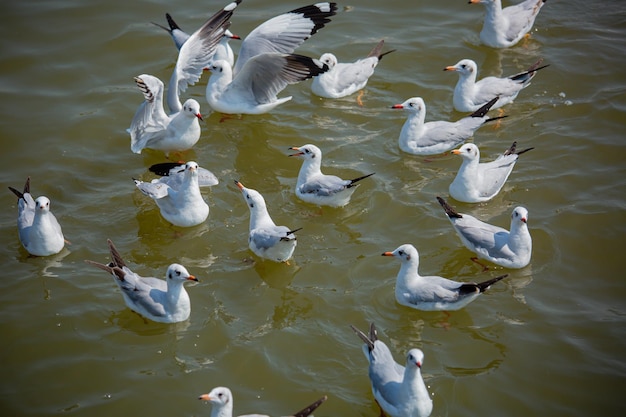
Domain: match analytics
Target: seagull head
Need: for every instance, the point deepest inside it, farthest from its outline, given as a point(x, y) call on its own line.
point(219, 397)
point(307, 151)
point(412, 105)
point(405, 253)
point(329, 59)
point(520, 214)
point(176, 272)
point(468, 151)
point(42, 204)
point(253, 198)
point(464, 67)
point(414, 357)
point(192, 109)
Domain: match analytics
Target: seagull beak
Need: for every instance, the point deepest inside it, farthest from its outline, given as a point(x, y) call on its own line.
point(387, 254)
point(199, 116)
point(419, 364)
point(192, 278)
point(240, 185)
point(204, 397)
point(295, 148)
point(456, 152)
point(450, 68)
point(235, 37)
point(523, 219)
point(397, 106)
point(473, 1)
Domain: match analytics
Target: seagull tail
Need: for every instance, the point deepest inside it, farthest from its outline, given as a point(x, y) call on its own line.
point(310, 408)
point(369, 342)
point(448, 209)
point(115, 255)
point(354, 181)
point(483, 286)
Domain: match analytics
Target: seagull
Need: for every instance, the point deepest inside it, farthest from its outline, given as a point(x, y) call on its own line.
point(173, 174)
point(284, 33)
point(196, 53)
point(221, 400)
point(419, 138)
point(476, 182)
point(432, 293)
point(505, 27)
point(265, 239)
point(317, 188)
point(399, 391)
point(510, 249)
point(156, 299)
point(344, 79)
point(253, 90)
point(266, 63)
point(222, 51)
point(180, 202)
point(152, 128)
point(470, 95)
point(39, 231)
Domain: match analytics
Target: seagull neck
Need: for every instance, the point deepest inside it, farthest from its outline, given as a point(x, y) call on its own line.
point(408, 274)
point(519, 237)
point(260, 218)
point(310, 168)
point(222, 410)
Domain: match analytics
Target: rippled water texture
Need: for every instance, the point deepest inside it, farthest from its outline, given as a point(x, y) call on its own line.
point(547, 341)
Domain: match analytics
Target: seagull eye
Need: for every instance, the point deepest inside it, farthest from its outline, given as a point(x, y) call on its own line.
point(401, 252)
point(177, 273)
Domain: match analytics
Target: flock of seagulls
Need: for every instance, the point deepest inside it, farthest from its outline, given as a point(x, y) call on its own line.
point(266, 64)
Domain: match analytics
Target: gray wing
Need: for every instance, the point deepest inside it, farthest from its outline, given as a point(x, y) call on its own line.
point(385, 374)
point(355, 74)
point(265, 238)
point(25, 217)
point(266, 75)
point(324, 185)
point(176, 176)
point(494, 174)
point(480, 235)
point(490, 87)
point(153, 190)
point(196, 53)
point(150, 121)
point(284, 33)
point(435, 289)
point(141, 292)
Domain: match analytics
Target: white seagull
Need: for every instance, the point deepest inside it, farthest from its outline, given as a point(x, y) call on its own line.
point(221, 400)
point(173, 174)
point(152, 128)
point(266, 63)
point(222, 51)
point(163, 301)
point(419, 138)
point(254, 89)
point(344, 79)
point(265, 239)
point(196, 53)
point(180, 202)
point(505, 27)
point(399, 390)
point(510, 249)
point(317, 188)
point(469, 95)
point(476, 182)
point(39, 231)
point(432, 293)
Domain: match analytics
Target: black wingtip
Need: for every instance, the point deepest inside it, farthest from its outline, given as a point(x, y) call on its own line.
point(309, 409)
point(355, 180)
point(163, 168)
point(481, 112)
point(448, 209)
point(171, 22)
point(319, 16)
point(484, 286)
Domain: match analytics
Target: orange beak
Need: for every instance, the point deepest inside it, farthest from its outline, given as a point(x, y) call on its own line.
point(204, 397)
point(456, 152)
point(387, 254)
point(397, 106)
point(240, 185)
point(295, 148)
point(450, 68)
point(192, 278)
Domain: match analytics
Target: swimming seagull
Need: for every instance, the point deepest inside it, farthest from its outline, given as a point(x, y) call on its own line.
point(282, 34)
point(419, 138)
point(222, 51)
point(510, 249)
point(399, 390)
point(476, 182)
point(196, 53)
point(180, 202)
point(254, 89)
point(221, 400)
point(432, 293)
point(344, 79)
point(39, 231)
point(265, 239)
point(469, 95)
point(505, 27)
point(163, 301)
point(317, 188)
point(152, 128)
